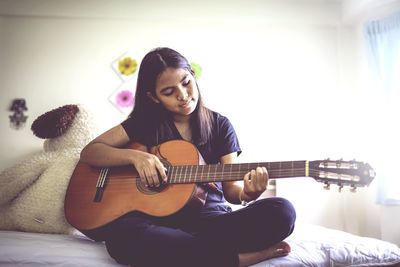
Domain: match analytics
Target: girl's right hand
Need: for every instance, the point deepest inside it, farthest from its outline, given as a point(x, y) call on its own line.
point(150, 169)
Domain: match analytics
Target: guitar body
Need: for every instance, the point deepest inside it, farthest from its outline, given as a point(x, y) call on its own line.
point(124, 193)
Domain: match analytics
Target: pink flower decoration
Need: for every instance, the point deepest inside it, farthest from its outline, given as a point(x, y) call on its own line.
point(125, 98)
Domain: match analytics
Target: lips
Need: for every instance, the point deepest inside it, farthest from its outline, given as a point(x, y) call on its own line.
point(185, 104)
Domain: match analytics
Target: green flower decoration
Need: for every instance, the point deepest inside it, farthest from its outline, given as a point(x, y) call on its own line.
point(127, 66)
point(197, 70)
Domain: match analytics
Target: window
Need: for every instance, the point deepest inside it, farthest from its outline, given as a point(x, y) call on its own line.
point(383, 41)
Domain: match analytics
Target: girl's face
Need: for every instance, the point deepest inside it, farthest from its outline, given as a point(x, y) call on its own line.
point(177, 91)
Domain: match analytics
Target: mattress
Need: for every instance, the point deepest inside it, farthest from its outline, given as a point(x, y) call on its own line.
point(312, 245)
point(18, 249)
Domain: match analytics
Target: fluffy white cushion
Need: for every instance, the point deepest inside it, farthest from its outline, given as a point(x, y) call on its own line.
point(32, 192)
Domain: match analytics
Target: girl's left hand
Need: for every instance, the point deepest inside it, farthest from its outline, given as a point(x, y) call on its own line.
point(255, 183)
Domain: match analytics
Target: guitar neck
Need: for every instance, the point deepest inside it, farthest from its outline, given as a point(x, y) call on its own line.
point(233, 172)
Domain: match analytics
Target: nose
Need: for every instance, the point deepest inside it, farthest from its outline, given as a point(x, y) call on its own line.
point(182, 94)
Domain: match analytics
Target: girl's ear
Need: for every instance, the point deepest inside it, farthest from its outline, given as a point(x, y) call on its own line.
point(150, 95)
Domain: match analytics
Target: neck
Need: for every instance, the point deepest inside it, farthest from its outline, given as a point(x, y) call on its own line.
point(181, 119)
point(234, 172)
point(184, 130)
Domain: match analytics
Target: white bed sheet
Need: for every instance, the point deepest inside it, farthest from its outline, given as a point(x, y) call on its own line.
point(311, 246)
point(20, 249)
point(318, 246)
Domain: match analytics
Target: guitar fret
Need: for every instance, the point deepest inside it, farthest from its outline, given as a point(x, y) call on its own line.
point(170, 174)
point(202, 173)
point(215, 173)
point(306, 168)
point(180, 174)
point(185, 175)
point(190, 174)
point(177, 175)
point(195, 175)
point(182, 178)
point(292, 168)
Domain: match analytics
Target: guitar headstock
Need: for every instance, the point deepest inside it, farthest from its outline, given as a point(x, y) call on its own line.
point(343, 173)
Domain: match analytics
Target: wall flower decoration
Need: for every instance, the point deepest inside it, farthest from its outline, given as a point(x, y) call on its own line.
point(127, 66)
point(123, 98)
point(18, 118)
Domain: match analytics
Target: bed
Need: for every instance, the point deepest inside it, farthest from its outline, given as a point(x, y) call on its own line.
point(312, 245)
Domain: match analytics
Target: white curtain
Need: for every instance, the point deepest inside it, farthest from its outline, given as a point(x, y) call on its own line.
point(383, 40)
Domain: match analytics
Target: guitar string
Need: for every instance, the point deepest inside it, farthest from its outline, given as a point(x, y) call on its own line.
point(300, 171)
point(330, 180)
point(232, 176)
point(218, 174)
point(185, 168)
point(130, 182)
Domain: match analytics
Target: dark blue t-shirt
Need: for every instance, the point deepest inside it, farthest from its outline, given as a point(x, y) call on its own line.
point(223, 141)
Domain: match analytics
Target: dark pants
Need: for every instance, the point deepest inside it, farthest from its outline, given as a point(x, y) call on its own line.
point(195, 239)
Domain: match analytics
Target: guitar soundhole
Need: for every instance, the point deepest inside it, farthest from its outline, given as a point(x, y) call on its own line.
point(149, 190)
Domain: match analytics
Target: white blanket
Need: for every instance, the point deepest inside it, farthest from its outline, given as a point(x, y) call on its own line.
point(18, 249)
point(318, 246)
point(311, 246)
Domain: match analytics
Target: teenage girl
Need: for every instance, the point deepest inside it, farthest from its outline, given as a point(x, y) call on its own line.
point(169, 106)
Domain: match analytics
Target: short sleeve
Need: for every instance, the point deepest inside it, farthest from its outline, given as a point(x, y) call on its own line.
point(227, 141)
point(128, 126)
point(136, 130)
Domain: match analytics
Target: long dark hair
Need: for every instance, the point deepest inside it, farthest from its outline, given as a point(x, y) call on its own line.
point(154, 115)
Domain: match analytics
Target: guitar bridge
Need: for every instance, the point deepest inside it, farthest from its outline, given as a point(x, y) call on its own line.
point(101, 182)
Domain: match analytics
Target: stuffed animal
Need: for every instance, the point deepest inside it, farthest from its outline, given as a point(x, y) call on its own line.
point(32, 192)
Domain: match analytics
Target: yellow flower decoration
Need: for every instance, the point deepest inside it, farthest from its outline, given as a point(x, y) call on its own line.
point(127, 66)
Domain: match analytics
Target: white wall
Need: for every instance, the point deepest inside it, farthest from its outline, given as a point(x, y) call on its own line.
point(284, 72)
point(56, 53)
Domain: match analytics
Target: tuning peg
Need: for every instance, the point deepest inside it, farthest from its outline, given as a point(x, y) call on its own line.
point(340, 187)
point(353, 189)
point(326, 163)
point(339, 162)
point(327, 186)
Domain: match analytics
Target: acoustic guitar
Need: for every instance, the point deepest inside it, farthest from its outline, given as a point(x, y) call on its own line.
point(96, 196)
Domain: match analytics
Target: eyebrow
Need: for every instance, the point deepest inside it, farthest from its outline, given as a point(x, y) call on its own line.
point(166, 88)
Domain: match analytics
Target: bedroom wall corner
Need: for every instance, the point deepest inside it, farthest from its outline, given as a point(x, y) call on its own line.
point(390, 218)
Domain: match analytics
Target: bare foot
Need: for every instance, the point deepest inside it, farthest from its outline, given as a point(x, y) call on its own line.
point(278, 250)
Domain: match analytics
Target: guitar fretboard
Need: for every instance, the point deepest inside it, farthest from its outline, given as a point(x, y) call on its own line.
point(233, 172)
